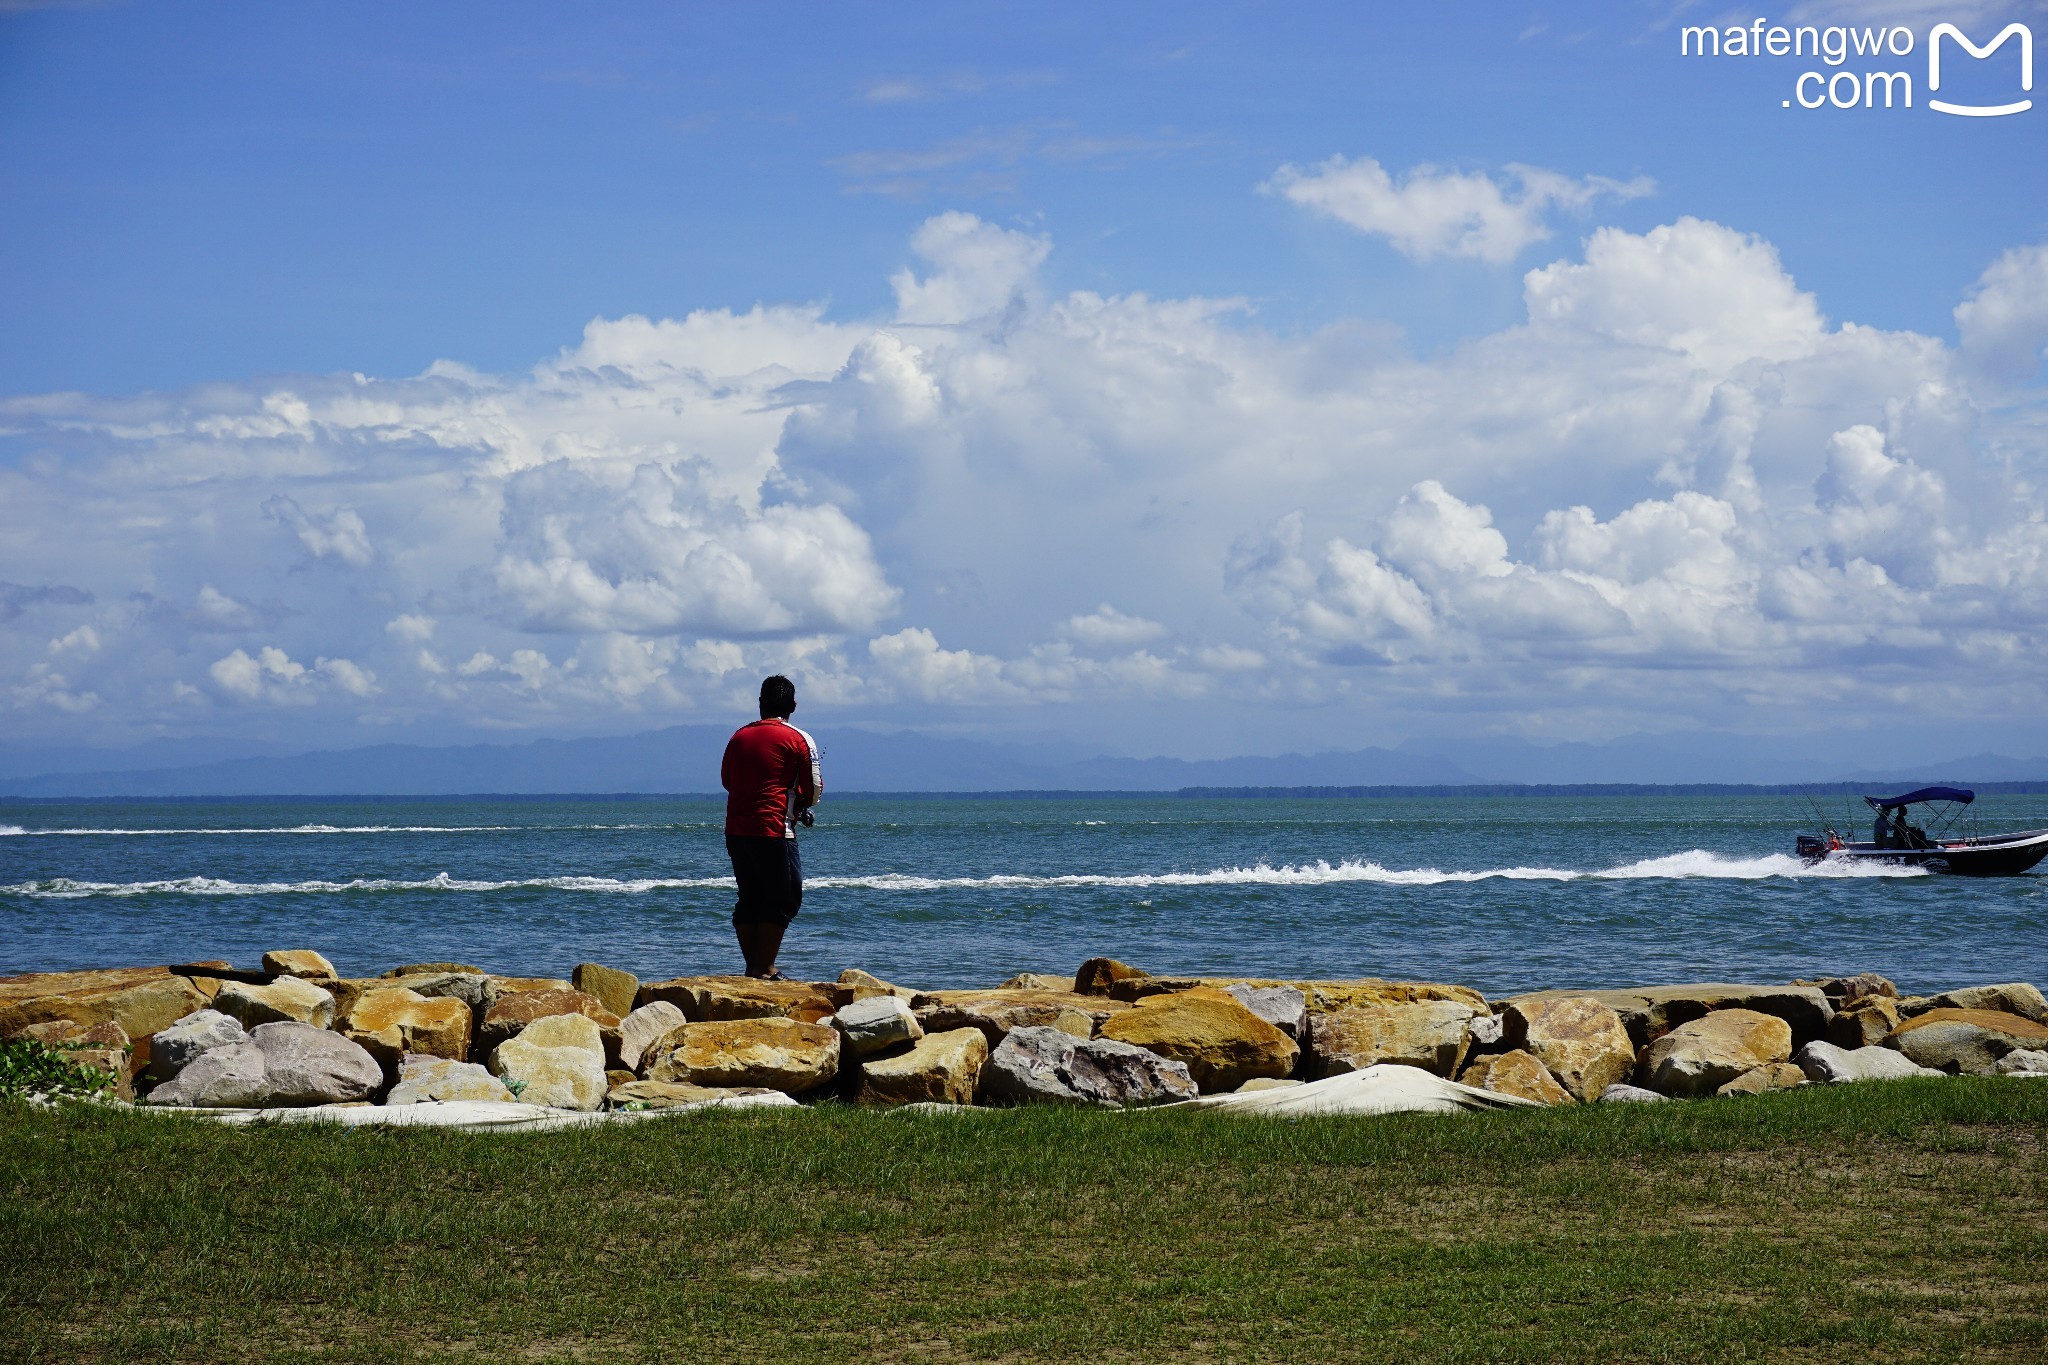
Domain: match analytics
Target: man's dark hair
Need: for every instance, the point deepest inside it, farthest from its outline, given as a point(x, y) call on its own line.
point(778, 697)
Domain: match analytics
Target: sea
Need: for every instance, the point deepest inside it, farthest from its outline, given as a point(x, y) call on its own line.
point(1504, 893)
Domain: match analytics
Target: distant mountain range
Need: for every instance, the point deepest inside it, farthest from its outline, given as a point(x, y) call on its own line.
point(684, 759)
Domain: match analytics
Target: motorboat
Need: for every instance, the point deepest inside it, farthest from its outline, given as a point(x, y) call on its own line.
point(1895, 839)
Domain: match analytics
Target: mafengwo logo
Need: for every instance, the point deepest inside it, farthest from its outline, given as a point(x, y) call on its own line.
point(1862, 68)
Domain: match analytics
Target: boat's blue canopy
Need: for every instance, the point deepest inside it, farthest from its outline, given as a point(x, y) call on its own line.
point(1914, 798)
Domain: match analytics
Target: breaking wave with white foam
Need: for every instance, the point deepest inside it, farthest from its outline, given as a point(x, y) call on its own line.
point(1695, 863)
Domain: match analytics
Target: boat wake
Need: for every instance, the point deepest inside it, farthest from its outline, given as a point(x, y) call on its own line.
point(1695, 863)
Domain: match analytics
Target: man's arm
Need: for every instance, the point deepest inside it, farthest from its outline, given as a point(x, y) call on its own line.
point(810, 784)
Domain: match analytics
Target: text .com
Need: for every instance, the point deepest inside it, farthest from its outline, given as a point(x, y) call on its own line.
point(1863, 67)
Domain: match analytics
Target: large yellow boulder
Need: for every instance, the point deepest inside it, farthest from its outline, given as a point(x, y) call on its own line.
point(298, 962)
point(1222, 1043)
point(996, 1012)
point(1865, 1022)
point(141, 1000)
point(1582, 1042)
point(1970, 1042)
point(1431, 1034)
point(392, 1022)
point(781, 1054)
point(287, 1000)
point(1700, 1057)
point(1099, 974)
point(1516, 1073)
point(705, 999)
point(614, 989)
point(942, 1068)
point(512, 1013)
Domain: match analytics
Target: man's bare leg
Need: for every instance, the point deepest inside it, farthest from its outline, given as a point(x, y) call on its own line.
point(759, 944)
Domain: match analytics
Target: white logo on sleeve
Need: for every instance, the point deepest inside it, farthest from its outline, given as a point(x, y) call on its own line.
point(2021, 31)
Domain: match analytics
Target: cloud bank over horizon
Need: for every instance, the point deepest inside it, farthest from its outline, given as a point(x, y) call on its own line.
point(1676, 495)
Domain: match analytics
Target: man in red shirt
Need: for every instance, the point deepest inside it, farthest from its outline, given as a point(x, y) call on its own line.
point(772, 780)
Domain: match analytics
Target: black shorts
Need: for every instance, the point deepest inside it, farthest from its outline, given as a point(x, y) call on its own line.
point(771, 878)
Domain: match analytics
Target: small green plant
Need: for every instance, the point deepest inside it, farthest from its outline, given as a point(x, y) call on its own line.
point(29, 1067)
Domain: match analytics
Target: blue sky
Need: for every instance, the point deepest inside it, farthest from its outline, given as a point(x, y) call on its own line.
point(1252, 370)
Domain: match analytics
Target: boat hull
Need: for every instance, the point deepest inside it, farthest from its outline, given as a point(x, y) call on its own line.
point(1993, 855)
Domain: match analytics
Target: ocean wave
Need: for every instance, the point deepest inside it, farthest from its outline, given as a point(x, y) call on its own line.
point(1694, 863)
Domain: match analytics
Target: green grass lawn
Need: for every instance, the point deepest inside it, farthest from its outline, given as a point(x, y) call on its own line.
point(1893, 1221)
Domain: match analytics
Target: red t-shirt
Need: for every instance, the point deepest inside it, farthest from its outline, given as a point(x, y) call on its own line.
point(770, 773)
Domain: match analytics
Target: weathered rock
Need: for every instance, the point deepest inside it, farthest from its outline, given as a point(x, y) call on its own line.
point(102, 1047)
point(423, 1080)
point(1284, 1007)
point(1431, 1034)
point(1652, 1011)
point(513, 1012)
point(287, 1000)
point(779, 1053)
point(616, 1076)
point(876, 1024)
point(473, 989)
point(1758, 1079)
point(280, 1064)
point(106, 1034)
point(395, 1021)
point(1968, 1042)
point(1630, 1094)
point(614, 989)
point(1516, 1073)
point(1700, 1057)
point(1047, 1064)
point(1582, 1042)
point(1322, 997)
point(1036, 981)
point(1865, 1023)
point(433, 969)
point(1098, 974)
point(298, 962)
point(943, 1068)
point(675, 1094)
point(559, 1077)
point(708, 999)
point(1489, 1033)
point(227, 1077)
point(645, 1027)
point(1843, 991)
point(174, 1048)
point(566, 1030)
point(498, 987)
point(864, 985)
point(2020, 1062)
point(995, 1013)
point(1222, 1043)
point(1258, 1083)
point(141, 1000)
point(303, 1064)
point(1830, 1064)
point(2011, 997)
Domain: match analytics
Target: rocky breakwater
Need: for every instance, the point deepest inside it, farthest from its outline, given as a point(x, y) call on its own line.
point(297, 1033)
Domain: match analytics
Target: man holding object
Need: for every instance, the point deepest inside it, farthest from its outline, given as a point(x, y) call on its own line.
point(771, 782)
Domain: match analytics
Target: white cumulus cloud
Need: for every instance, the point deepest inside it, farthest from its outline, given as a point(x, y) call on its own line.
point(1430, 212)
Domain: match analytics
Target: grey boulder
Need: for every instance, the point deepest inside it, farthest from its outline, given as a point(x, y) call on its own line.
point(1040, 1064)
point(173, 1049)
point(227, 1077)
point(2023, 1062)
point(1833, 1065)
point(1631, 1094)
point(1284, 1007)
point(876, 1024)
point(307, 1065)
